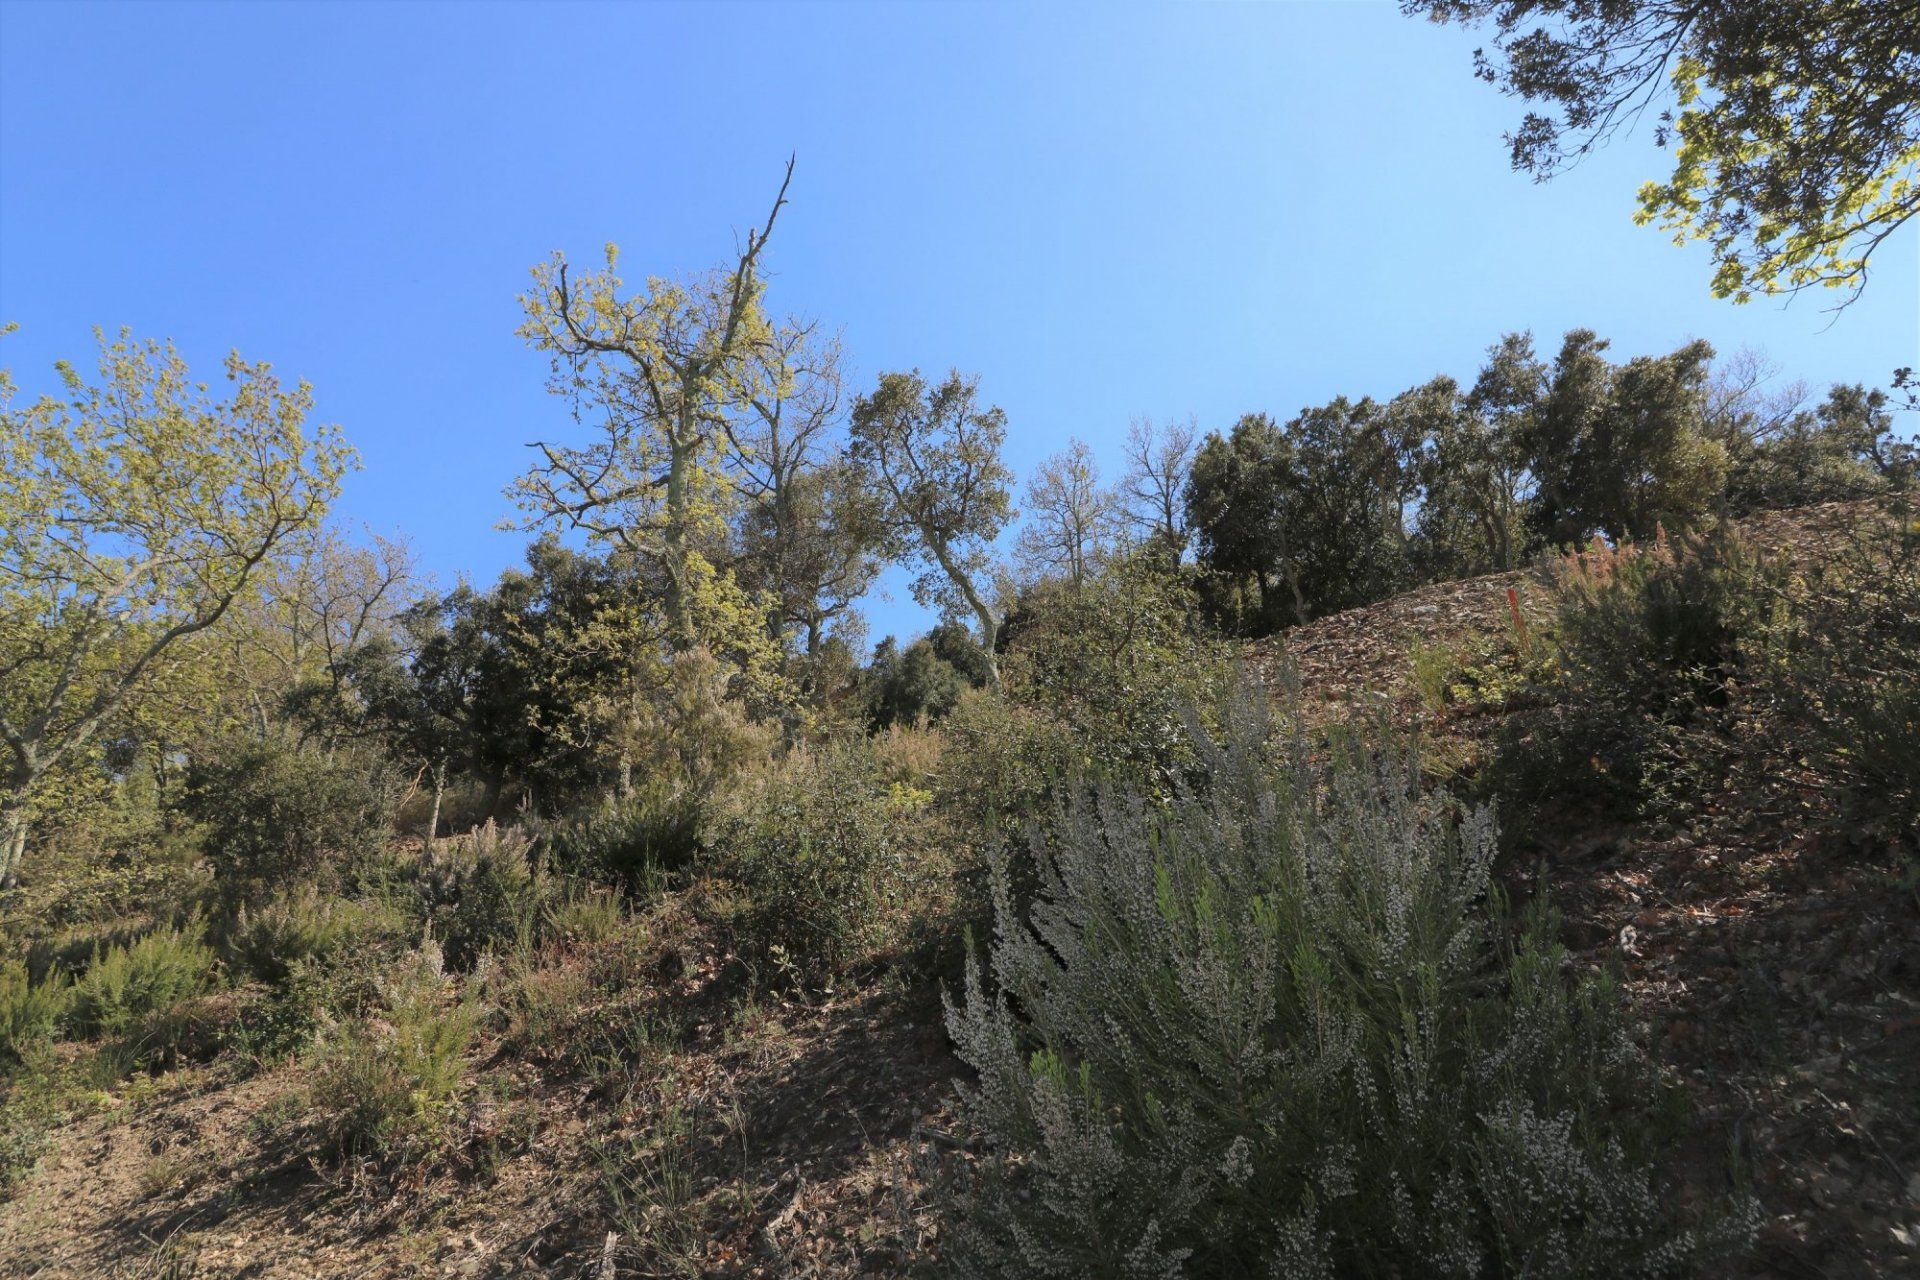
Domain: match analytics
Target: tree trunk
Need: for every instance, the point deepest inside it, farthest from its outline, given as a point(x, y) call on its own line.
point(13, 839)
point(989, 623)
point(439, 790)
point(674, 546)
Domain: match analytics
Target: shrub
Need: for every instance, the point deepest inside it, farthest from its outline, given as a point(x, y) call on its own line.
point(283, 1019)
point(302, 926)
point(483, 894)
point(29, 1011)
point(25, 1134)
point(585, 917)
point(908, 756)
point(639, 844)
point(1286, 1025)
point(382, 1088)
point(1002, 766)
point(1665, 626)
point(1648, 647)
point(816, 846)
point(191, 1029)
point(275, 814)
point(539, 1001)
point(1118, 661)
point(124, 984)
point(1850, 669)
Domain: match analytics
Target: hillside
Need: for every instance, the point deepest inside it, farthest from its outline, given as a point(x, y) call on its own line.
point(1770, 960)
point(1778, 966)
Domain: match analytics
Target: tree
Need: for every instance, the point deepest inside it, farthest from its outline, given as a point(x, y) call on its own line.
point(1470, 515)
point(1355, 478)
point(288, 646)
point(664, 372)
point(133, 515)
point(907, 687)
point(1319, 504)
point(1153, 491)
point(1069, 516)
point(1239, 503)
point(427, 686)
point(935, 456)
point(1622, 449)
point(1780, 453)
point(812, 534)
point(1797, 143)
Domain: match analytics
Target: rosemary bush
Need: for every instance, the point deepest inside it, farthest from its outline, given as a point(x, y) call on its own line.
point(1287, 1025)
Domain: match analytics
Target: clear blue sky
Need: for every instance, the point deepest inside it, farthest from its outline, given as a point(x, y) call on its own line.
point(1103, 210)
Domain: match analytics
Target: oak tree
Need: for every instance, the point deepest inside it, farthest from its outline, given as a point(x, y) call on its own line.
point(134, 511)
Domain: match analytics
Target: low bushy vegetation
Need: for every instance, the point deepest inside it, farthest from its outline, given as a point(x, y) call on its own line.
point(634, 836)
point(821, 847)
point(1849, 669)
point(382, 1087)
point(1288, 1025)
point(302, 926)
point(274, 814)
point(1675, 670)
point(30, 1011)
point(639, 844)
point(484, 894)
point(124, 984)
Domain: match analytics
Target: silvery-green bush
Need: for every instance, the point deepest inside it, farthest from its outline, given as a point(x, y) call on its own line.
point(1287, 1026)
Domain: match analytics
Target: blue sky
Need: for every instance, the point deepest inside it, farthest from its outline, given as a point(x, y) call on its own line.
point(1103, 210)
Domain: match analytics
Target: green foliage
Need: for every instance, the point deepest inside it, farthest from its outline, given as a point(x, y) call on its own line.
point(1313, 511)
point(483, 894)
point(817, 846)
point(1117, 662)
point(663, 373)
point(30, 1011)
point(124, 984)
point(934, 453)
point(1649, 644)
point(1346, 503)
point(1287, 1025)
point(1665, 625)
point(585, 917)
point(282, 1020)
point(1842, 450)
point(300, 926)
point(193, 1029)
point(1435, 667)
point(29, 1113)
point(1849, 668)
point(639, 844)
point(133, 513)
point(1621, 448)
point(275, 814)
point(1000, 770)
point(381, 1090)
point(24, 1138)
point(1797, 134)
point(912, 687)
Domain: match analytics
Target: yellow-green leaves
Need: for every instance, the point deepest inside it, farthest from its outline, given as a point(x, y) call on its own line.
point(133, 512)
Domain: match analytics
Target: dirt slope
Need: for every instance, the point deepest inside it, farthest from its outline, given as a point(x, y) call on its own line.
point(1778, 972)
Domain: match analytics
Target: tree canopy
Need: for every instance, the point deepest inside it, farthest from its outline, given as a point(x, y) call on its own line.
point(133, 514)
point(1794, 124)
